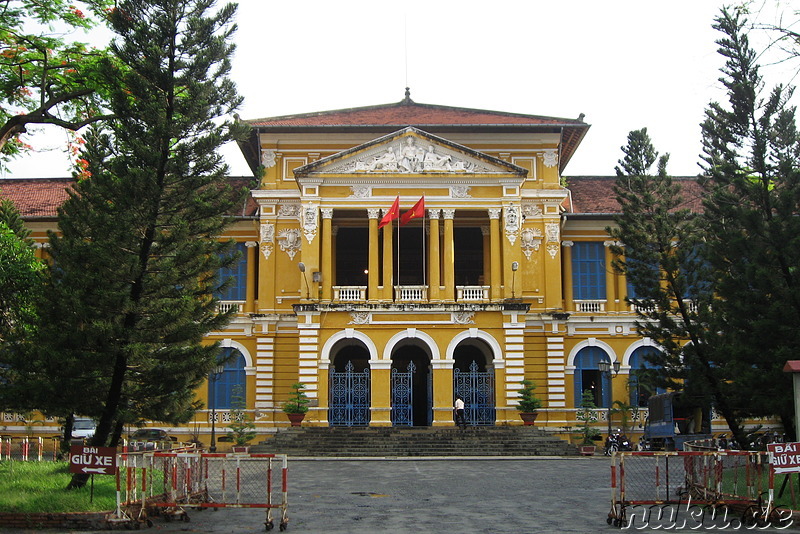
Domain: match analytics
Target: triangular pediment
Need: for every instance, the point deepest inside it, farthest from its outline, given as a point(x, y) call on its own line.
point(409, 151)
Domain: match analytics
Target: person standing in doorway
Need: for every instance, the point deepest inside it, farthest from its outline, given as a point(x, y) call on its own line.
point(458, 406)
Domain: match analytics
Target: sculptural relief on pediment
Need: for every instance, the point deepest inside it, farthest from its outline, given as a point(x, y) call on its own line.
point(410, 155)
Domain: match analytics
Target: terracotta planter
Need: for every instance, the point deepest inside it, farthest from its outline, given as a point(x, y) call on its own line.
point(528, 418)
point(296, 418)
point(240, 448)
point(588, 450)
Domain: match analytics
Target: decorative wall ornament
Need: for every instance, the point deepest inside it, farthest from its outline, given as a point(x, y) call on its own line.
point(327, 213)
point(268, 157)
point(552, 231)
point(448, 214)
point(530, 239)
point(552, 249)
point(463, 317)
point(460, 191)
point(494, 213)
point(289, 210)
point(310, 222)
point(373, 213)
point(267, 239)
point(408, 155)
point(550, 157)
point(512, 223)
point(289, 241)
point(359, 318)
point(531, 210)
point(360, 191)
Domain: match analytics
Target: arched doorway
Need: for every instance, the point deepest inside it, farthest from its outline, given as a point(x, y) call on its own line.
point(589, 378)
point(412, 386)
point(349, 385)
point(473, 379)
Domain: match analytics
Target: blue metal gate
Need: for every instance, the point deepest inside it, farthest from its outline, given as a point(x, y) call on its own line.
point(349, 397)
point(403, 396)
point(477, 390)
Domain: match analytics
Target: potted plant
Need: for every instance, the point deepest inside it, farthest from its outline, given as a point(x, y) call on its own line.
point(241, 430)
point(528, 404)
point(297, 405)
point(587, 415)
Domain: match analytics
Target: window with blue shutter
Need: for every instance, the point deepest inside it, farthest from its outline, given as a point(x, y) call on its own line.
point(237, 290)
point(588, 271)
point(588, 376)
point(639, 386)
point(220, 387)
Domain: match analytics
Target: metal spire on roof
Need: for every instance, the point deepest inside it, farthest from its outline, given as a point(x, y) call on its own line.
point(407, 99)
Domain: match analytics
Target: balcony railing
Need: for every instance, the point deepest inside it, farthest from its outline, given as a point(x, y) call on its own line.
point(349, 293)
point(225, 305)
point(590, 306)
point(411, 293)
point(472, 293)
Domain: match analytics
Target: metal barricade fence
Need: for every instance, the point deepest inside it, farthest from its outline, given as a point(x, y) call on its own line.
point(706, 486)
point(167, 483)
point(28, 448)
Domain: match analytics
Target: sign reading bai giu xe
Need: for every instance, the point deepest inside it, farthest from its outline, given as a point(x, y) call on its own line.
point(92, 460)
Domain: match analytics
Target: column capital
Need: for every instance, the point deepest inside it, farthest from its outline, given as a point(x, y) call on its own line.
point(251, 244)
point(494, 213)
point(373, 213)
point(434, 214)
point(327, 213)
point(567, 243)
point(449, 214)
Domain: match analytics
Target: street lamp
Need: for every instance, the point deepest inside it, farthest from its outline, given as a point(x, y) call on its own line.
point(514, 267)
point(213, 376)
point(606, 369)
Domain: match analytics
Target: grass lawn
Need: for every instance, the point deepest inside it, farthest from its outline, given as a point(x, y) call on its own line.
point(36, 487)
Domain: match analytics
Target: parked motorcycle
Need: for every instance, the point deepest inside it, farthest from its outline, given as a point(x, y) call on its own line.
point(617, 441)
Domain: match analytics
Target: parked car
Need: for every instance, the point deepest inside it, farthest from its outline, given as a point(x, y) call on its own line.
point(83, 428)
point(148, 438)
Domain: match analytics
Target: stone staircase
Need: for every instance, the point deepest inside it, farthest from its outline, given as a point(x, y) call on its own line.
point(415, 441)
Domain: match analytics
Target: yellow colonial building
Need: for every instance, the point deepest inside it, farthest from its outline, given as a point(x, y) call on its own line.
point(397, 255)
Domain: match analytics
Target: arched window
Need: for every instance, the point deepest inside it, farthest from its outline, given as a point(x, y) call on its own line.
point(588, 376)
point(640, 381)
point(220, 387)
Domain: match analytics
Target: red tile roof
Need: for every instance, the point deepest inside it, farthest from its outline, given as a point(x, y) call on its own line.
point(37, 198)
point(595, 194)
point(387, 118)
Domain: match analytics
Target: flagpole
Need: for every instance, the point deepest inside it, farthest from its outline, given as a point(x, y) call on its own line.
point(424, 265)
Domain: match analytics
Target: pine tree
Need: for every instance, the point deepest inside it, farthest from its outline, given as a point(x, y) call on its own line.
point(661, 252)
point(752, 179)
point(135, 265)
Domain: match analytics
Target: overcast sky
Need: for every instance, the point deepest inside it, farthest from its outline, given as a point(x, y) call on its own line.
point(624, 64)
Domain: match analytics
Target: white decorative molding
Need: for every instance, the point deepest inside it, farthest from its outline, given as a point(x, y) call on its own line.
point(552, 249)
point(359, 318)
point(550, 157)
point(460, 191)
point(406, 155)
point(373, 213)
point(289, 241)
point(530, 240)
point(531, 210)
point(266, 250)
point(464, 317)
point(327, 213)
point(434, 214)
point(512, 222)
point(310, 222)
point(268, 157)
point(289, 210)
point(267, 232)
point(360, 191)
point(494, 213)
point(448, 214)
point(552, 230)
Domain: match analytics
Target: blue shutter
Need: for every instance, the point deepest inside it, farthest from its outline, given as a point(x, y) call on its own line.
point(220, 392)
point(238, 271)
point(587, 360)
point(588, 271)
point(638, 361)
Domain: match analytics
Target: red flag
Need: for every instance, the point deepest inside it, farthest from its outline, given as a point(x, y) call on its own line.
point(414, 213)
point(392, 214)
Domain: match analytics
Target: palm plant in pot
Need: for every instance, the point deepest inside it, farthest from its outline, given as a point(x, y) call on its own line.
point(587, 415)
point(528, 404)
point(297, 405)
